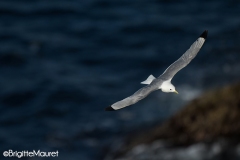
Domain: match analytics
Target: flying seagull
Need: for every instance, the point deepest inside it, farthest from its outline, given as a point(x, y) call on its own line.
point(163, 82)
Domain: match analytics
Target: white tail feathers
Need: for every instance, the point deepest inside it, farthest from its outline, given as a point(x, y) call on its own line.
point(148, 80)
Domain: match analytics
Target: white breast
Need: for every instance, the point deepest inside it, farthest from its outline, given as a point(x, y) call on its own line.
point(165, 84)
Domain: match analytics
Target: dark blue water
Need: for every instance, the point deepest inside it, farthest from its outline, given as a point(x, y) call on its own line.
point(63, 62)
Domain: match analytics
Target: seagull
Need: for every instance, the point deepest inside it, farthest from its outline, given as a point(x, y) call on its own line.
point(163, 82)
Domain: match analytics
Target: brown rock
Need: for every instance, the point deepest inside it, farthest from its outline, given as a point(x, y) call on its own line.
point(213, 115)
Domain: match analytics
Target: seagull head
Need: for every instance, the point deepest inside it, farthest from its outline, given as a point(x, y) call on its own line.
point(168, 87)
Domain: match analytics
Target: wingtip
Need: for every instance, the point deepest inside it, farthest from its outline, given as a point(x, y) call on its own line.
point(109, 109)
point(204, 34)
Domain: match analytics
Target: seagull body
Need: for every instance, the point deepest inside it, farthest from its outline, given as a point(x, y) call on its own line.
point(162, 82)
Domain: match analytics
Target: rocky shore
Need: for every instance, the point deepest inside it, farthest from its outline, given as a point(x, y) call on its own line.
point(207, 128)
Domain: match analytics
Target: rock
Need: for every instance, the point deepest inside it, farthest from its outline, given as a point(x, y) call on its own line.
point(212, 116)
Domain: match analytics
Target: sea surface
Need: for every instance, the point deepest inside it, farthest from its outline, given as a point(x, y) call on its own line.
point(62, 62)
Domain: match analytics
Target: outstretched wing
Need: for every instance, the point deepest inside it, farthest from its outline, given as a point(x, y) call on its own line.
point(137, 96)
point(185, 59)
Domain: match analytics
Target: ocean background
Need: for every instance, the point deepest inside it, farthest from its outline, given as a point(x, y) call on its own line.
point(63, 62)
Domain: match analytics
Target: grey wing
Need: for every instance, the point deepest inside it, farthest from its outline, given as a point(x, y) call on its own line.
point(185, 59)
point(137, 96)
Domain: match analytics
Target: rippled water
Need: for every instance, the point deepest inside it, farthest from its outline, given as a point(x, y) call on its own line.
point(63, 62)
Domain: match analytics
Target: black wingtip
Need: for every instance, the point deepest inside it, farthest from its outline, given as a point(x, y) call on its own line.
point(204, 34)
point(109, 109)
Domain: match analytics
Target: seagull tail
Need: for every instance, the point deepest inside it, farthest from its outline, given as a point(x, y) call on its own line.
point(148, 80)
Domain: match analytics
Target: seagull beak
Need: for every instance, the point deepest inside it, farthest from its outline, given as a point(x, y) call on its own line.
point(176, 92)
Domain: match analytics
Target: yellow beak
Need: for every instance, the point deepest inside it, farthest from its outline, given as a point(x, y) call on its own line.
point(176, 91)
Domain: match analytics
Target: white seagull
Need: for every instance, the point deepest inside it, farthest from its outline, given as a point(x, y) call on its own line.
point(163, 82)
